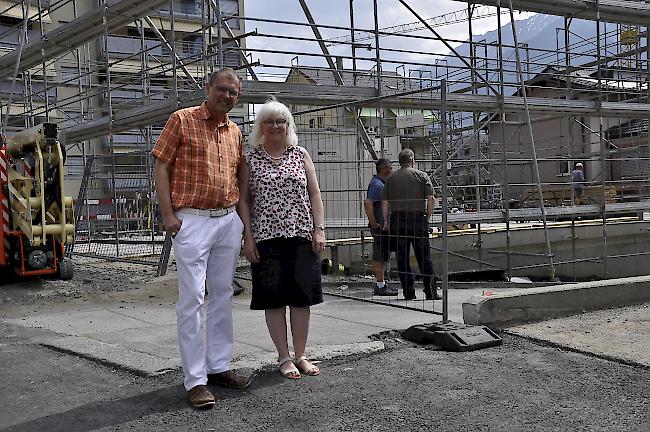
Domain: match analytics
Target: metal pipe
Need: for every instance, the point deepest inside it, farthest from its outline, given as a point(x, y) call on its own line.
point(569, 95)
point(445, 204)
point(532, 141)
point(5, 120)
point(116, 228)
point(604, 174)
point(219, 33)
point(174, 56)
point(504, 145)
point(382, 125)
point(475, 135)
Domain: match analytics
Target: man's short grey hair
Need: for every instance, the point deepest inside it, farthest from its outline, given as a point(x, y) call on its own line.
point(406, 157)
point(223, 71)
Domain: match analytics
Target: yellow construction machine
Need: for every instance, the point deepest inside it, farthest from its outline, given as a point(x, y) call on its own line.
point(37, 218)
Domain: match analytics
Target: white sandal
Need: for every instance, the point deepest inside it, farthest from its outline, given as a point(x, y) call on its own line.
point(291, 372)
point(310, 369)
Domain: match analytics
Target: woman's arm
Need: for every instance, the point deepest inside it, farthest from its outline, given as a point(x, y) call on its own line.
point(317, 210)
point(244, 210)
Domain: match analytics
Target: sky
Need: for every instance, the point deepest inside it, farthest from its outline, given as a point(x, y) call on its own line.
point(336, 13)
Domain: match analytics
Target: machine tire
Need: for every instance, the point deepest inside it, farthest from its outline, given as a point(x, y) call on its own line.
point(66, 269)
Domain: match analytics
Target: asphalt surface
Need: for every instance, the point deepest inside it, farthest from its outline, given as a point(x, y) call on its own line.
point(520, 386)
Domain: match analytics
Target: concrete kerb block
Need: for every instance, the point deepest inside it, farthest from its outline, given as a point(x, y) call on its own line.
point(502, 310)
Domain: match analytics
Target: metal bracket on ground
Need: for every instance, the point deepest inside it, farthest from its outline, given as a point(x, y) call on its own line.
point(453, 336)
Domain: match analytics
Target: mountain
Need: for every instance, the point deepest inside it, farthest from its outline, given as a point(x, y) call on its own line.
point(544, 39)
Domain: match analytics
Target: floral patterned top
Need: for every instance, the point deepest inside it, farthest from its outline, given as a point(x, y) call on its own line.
point(280, 200)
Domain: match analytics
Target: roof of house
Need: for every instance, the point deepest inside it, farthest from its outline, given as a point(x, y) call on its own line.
point(588, 79)
point(392, 82)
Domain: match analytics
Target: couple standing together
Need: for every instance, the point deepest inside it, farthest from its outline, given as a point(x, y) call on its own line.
point(210, 193)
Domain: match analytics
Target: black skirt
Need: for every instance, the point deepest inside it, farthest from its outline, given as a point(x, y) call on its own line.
point(288, 274)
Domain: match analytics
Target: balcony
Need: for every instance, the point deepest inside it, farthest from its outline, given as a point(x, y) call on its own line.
point(125, 46)
point(129, 97)
point(13, 9)
point(191, 10)
point(37, 90)
point(9, 36)
point(189, 50)
point(130, 141)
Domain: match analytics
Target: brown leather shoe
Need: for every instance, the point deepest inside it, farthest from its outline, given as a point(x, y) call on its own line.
point(229, 379)
point(200, 397)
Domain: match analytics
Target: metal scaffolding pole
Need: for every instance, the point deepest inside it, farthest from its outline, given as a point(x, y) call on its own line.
point(445, 206)
point(21, 42)
point(647, 68)
point(116, 228)
point(380, 90)
point(504, 146)
point(604, 171)
point(219, 35)
point(537, 179)
point(475, 136)
point(569, 95)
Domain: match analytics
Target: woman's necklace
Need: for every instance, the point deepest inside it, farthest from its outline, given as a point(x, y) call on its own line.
point(273, 158)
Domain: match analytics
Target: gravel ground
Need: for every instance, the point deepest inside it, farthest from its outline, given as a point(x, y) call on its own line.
point(519, 386)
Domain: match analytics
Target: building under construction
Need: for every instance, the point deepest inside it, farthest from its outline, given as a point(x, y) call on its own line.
point(498, 122)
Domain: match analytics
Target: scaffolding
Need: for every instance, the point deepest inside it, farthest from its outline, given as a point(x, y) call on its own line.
point(498, 122)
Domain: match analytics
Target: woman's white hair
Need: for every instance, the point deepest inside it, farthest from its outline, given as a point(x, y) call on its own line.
point(276, 110)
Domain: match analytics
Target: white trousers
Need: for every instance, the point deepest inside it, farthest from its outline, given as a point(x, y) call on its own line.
point(206, 249)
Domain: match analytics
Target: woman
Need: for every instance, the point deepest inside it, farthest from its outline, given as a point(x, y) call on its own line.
point(282, 211)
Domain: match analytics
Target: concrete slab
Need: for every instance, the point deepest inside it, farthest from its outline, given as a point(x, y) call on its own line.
point(159, 341)
point(622, 334)
point(87, 321)
point(142, 338)
point(136, 330)
point(139, 362)
point(503, 309)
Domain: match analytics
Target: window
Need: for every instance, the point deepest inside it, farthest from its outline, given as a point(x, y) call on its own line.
point(148, 33)
point(69, 74)
point(321, 122)
point(563, 168)
point(312, 123)
point(71, 118)
point(193, 45)
point(231, 59)
point(230, 8)
point(239, 121)
point(74, 166)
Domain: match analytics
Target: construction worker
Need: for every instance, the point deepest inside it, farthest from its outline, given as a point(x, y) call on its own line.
point(577, 183)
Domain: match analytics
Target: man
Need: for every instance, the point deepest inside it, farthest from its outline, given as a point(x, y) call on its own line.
point(577, 183)
point(197, 156)
point(380, 245)
point(408, 194)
